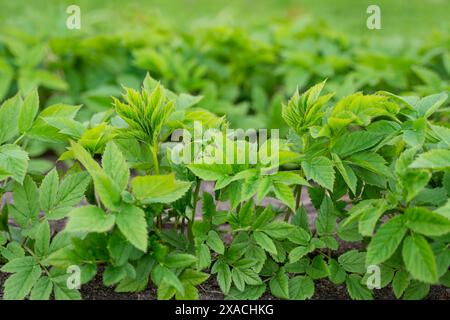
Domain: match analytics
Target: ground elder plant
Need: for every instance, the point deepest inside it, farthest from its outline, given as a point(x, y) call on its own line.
point(375, 166)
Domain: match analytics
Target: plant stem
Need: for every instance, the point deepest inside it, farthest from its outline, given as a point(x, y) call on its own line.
point(19, 138)
point(154, 151)
point(298, 196)
point(304, 142)
point(37, 259)
point(194, 209)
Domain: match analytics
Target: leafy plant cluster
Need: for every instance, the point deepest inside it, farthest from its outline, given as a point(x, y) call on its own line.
point(376, 167)
point(244, 74)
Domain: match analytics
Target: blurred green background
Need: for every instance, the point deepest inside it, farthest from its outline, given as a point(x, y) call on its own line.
point(405, 18)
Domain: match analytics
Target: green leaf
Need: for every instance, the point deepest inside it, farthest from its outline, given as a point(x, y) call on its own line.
point(19, 285)
point(413, 182)
point(61, 292)
point(190, 293)
point(386, 241)
point(414, 132)
point(433, 159)
point(9, 117)
point(250, 293)
point(372, 162)
point(215, 242)
point(298, 253)
point(26, 200)
point(356, 290)
point(263, 218)
point(245, 214)
point(279, 285)
point(289, 178)
point(21, 264)
point(203, 256)
point(263, 188)
point(400, 283)
point(12, 251)
point(251, 277)
point(301, 288)
point(119, 248)
point(159, 188)
point(353, 261)
point(284, 193)
point(417, 290)
point(107, 189)
point(89, 219)
point(443, 133)
point(318, 268)
point(28, 111)
point(354, 142)
point(223, 276)
point(131, 222)
point(42, 289)
point(71, 189)
point(278, 229)
point(249, 187)
point(320, 169)
point(238, 279)
point(115, 165)
point(67, 126)
point(346, 172)
point(48, 190)
point(193, 277)
point(419, 259)
point(429, 104)
point(113, 274)
point(426, 222)
point(299, 236)
point(210, 172)
point(45, 132)
point(326, 219)
point(13, 162)
point(169, 277)
point(179, 260)
point(337, 272)
point(42, 239)
point(370, 217)
point(264, 242)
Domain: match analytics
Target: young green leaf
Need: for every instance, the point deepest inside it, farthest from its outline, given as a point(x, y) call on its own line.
point(28, 111)
point(42, 289)
point(419, 259)
point(301, 288)
point(356, 290)
point(13, 162)
point(89, 219)
point(264, 242)
point(115, 165)
point(131, 222)
point(42, 239)
point(385, 241)
point(214, 242)
point(48, 191)
point(279, 285)
point(19, 285)
point(320, 169)
point(426, 222)
point(433, 159)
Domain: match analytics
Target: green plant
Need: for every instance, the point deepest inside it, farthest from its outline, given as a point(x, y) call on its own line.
point(96, 187)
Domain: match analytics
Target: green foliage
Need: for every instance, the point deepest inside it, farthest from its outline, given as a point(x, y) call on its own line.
point(375, 165)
